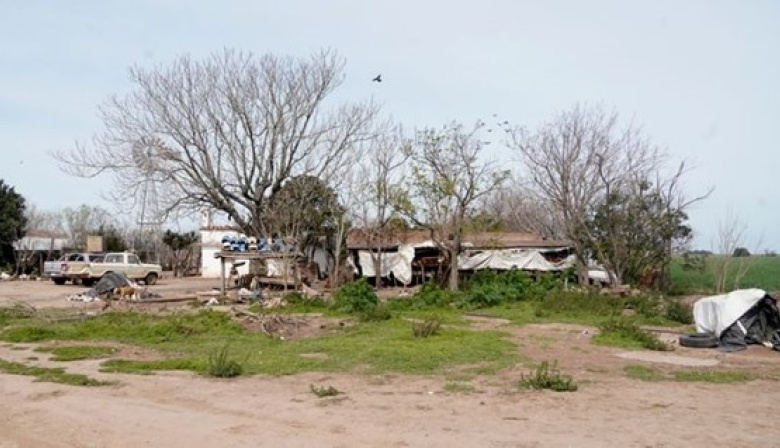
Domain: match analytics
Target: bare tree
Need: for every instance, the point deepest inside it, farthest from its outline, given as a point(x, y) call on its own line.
point(730, 236)
point(379, 175)
point(584, 159)
point(224, 133)
point(517, 208)
point(449, 178)
point(80, 222)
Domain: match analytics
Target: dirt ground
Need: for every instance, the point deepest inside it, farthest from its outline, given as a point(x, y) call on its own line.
point(183, 409)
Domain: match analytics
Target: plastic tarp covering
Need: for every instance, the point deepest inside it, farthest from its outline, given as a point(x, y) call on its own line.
point(528, 260)
point(398, 263)
point(715, 314)
point(111, 281)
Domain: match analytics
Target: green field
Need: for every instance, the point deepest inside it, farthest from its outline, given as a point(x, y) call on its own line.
point(762, 272)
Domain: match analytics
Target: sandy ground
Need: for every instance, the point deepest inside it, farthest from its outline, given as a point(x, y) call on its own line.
point(609, 410)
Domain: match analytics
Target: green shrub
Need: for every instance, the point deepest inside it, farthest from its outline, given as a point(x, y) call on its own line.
point(220, 364)
point(431, 295)
point(355, 297)
point(578, 303)
point(427, 327)
point(625, 333)
point(375, 314)
point(547, 376)
point(679, 312)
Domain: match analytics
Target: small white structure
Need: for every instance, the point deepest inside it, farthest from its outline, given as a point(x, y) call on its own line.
point(42, 240)
point(211, 242)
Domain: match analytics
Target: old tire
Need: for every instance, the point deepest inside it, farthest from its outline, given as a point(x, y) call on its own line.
point(698, 340)
point(58, 281)
point(150, 279)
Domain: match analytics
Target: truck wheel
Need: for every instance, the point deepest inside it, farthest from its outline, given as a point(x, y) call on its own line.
point(88, 282)
point(58, 281)
point(150, 279)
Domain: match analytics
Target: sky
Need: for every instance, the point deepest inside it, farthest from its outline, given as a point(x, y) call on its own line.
point(701, 77)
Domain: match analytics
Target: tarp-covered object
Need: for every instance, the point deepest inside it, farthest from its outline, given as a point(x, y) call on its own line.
point(739, 318)
point(398, 263)
point(505, 260)
point(111, 281)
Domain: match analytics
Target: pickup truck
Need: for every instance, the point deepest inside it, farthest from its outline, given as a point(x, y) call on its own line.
point(121, 262)
point(54, 269)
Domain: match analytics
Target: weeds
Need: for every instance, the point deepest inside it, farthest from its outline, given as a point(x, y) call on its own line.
point(679, 312)
point(220, 364)
point(625, 333)
point(457, 387)
point(547, 376)
point(428, 327)
point(375, 314)
point(322, 391)
point(52, 375)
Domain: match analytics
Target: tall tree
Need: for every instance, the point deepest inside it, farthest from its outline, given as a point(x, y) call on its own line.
point(379, 176)
point(85, 220)
point(181, 245)
point(580, 159)
point(449, 177)
point(13, 221)
point(225, 132)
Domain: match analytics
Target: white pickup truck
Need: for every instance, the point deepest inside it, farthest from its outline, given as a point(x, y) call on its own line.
point(54, 269)
point(121, 262)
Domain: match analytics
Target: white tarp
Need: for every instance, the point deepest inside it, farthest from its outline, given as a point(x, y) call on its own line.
point(528, 260)
point(714, 314)
point(399, 263)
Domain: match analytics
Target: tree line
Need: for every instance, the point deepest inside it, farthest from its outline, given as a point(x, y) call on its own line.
point(265, 140)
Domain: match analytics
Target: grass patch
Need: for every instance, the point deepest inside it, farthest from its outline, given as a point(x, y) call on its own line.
point(185, 341)
point(626, 333)
point(459, 387)
point(52, 375)
point(427, 327)
point(77, 352)
point(547, 376)
point(645, 373)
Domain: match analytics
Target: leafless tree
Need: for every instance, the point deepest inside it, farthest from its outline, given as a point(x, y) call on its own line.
point(582, 158)
point(449, 178)
point(517, 208)
point(730, 236)
point(80, 222)
point(44, 221)
point(379, 176)
point(225, 132)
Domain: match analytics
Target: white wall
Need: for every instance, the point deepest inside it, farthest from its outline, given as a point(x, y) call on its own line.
point(210, 244)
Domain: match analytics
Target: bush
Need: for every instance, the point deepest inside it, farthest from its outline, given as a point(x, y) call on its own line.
point(427, 327)
point(679, 312)
point(355, 297)
point(625, 333)
point(432, 295)
point(375, 314)
point(548, 377)
point(220, 364)
point(487, 288)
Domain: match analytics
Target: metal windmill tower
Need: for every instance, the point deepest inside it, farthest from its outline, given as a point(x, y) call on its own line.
point(146, 155)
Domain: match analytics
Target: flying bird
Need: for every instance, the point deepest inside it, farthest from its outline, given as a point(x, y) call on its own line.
point(378, 78)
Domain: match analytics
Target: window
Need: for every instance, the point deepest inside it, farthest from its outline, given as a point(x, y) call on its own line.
point(133, 259)
point(113, 259)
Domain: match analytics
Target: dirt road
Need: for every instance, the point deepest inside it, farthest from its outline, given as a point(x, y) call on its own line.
point(180, 409)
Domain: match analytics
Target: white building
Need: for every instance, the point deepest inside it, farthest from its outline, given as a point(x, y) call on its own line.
point(211, 243)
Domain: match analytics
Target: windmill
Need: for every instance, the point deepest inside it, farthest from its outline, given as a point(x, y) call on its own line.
point(147, 158)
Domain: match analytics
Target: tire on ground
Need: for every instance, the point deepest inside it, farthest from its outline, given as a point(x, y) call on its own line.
point(698, 340)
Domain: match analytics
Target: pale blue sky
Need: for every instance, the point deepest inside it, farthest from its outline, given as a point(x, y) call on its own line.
point(703, 77)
